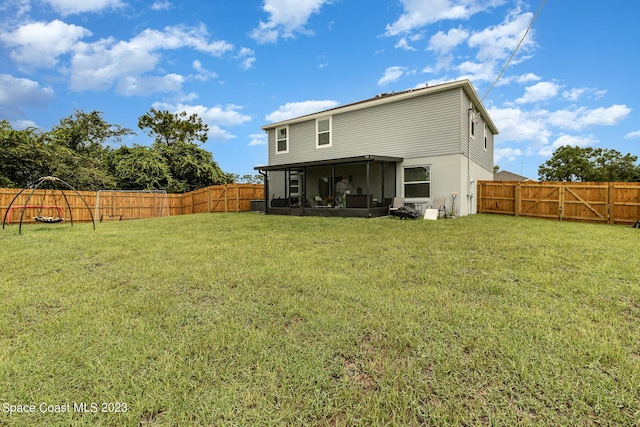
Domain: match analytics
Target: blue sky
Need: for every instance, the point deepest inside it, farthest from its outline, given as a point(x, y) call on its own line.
point(242, 64)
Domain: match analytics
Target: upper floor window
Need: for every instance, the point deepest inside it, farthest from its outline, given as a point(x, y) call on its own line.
point(473, 120)
point(282, 140)
point(323, 132)
point(472, 126)
point(485, 136)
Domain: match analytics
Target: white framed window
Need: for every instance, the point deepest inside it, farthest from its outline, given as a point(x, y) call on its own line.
point(472, 127)
point(485, 137)
point(282, 140)
point(323, 132)
point(417, 181)
point(472, 121)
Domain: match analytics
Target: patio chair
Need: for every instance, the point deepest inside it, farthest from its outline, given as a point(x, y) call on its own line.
point(439, 204)
point(398, 202)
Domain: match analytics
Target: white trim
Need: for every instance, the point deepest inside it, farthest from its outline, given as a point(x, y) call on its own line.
point(330, 132)
point(286, 128)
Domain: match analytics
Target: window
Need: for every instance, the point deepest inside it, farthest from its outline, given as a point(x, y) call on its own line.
point(323, 132)
point(485, 136)
point(473, 119)
point(282, 140)
point(294, 187)
point(417, 182)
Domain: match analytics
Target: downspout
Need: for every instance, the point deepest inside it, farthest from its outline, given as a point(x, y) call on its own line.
point(469, 161)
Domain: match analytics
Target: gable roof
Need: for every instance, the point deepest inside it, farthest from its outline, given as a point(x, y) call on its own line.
point(384, 98)
point(509, 176)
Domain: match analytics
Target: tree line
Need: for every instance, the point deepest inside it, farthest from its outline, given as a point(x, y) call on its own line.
point(587, 164)
point(87, 152)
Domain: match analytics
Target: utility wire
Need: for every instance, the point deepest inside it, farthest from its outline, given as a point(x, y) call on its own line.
point(516, 50)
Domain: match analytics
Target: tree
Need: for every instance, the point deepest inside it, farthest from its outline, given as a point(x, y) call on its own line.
point(140, 167)
point(23, 156)
point(168, 128)
point(79, 146)
point(190, 166)
point(589, 164)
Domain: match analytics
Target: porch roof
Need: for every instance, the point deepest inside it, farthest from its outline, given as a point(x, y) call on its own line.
point(357, 159)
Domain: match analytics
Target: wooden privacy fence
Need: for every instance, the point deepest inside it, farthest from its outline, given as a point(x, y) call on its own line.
point(126, 205)
point(605, 202)
point(221, 198)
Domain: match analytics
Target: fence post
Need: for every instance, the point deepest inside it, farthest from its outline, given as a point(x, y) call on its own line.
point(237, 198)
point(518, 196)
point(561, 200)
point(226, 187)
point(611, 204)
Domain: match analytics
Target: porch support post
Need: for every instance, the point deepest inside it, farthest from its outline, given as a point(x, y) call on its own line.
point(384, 167)
point(266, 192)
point(368, 186)
point(304, 189)
point(333, 184)
point(287, 180)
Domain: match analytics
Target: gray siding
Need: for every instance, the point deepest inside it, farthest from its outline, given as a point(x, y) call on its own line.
point(479, 155)
point(416, 127)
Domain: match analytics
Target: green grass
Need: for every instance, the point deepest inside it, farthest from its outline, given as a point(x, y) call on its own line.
point(246, 319)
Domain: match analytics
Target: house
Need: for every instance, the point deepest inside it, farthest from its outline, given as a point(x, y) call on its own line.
point(509, 176)
point(428, 146)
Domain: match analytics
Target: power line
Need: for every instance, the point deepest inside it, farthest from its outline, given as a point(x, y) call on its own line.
point(516, 49)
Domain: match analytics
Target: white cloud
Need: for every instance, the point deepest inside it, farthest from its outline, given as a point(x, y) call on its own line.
point(130, 86)
point(506, 154)
point(69, 7)
point(573, 94)
point(298, 109)
point(215, 117)
point(572, 140)
point(517, 125)
point(391, 74)
point(583, 117)
point(247, 58)
point(499, 42)
point(24, 124)
point(445, 43)
point(528, 78)
point(418, 13)
point(539, 92)
point(203, 74)
point(107, 62)
point(161, 5)
point(258, 139)
point(16, 93)
point(476, 71)
point(286, 17)
point(22, 8)
point(404, 44)
point(98, 65)
point(177, 37)
point(39, 44)
point(544, 131)
point(633, 135)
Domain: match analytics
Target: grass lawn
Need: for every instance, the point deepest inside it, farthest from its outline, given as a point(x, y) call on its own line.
point(246, 319)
